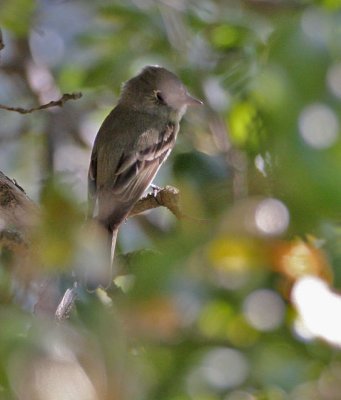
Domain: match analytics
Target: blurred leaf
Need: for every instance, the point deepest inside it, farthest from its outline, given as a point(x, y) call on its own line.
point(241, 334)
point(332, 4)
point(174, 305)
point(227, 252)
point(202, 171)
point(225, 36)
point(298, 258)
point(280, 364)
point(155, 318)
point(247, 127)
point(61, 219)
point(215, 318)
point(16, 15)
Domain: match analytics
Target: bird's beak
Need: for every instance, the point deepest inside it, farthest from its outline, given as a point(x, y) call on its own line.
point(192, 101)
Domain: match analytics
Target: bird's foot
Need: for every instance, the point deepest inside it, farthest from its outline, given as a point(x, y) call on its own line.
point(155, 189)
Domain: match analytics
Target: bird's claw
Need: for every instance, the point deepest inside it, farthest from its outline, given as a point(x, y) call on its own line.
point(155, 189)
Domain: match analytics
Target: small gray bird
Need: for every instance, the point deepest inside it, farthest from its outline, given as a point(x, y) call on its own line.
point(131, 145)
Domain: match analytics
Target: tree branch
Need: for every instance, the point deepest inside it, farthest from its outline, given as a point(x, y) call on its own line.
point(55, 103)
point(17, 211)
point(163, 197)
point(18, 214)
point(66, 305)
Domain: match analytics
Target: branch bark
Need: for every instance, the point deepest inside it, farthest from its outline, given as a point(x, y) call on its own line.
point(168, 197)
point(67, 303)
point(17, 211)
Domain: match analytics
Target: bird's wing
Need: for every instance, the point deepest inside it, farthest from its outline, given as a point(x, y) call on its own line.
point(112, 198)
point(136, 170)
point(92, 186)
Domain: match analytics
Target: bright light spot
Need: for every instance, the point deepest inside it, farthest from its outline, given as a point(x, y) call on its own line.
point(319, 308)
point(264, 310)
point(302, 259)
point(225, 368)
point(47, 47)
point(260, 164)
point(334, 79)
point(271, 217)
point(104, 297)
point(318, 126)
point(125, 282)
point(302, 331)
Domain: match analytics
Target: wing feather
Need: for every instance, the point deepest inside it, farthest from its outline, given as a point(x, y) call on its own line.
point(133, 173)
point(136, 170)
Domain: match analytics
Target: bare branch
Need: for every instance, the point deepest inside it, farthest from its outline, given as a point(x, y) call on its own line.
point(168, 197)
point(55, 103)
point(66, 305)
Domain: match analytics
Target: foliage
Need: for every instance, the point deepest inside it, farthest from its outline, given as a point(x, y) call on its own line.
point(221, 306)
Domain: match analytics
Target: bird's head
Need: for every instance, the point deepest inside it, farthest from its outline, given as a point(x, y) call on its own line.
point(157, 89)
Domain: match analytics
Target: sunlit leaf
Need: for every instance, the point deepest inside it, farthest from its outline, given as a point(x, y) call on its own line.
point(215, 319)
point(247, 129)
point(299, 258)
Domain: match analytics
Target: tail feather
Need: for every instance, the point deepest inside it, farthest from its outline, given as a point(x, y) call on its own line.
point(102, 276)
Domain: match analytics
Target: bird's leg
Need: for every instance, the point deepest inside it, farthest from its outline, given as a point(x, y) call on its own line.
point(155, 189)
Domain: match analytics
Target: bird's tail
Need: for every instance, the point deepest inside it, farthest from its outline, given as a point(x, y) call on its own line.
point(102, 276)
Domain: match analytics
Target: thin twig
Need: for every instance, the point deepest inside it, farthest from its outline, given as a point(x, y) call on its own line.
point(55, 103)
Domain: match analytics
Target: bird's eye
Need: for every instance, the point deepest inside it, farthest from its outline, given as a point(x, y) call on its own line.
point(159, 96)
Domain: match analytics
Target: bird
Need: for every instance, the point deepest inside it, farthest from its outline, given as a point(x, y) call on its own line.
point(132, 143)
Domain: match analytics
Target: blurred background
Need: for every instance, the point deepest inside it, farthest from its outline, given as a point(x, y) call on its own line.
point(240, 299)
